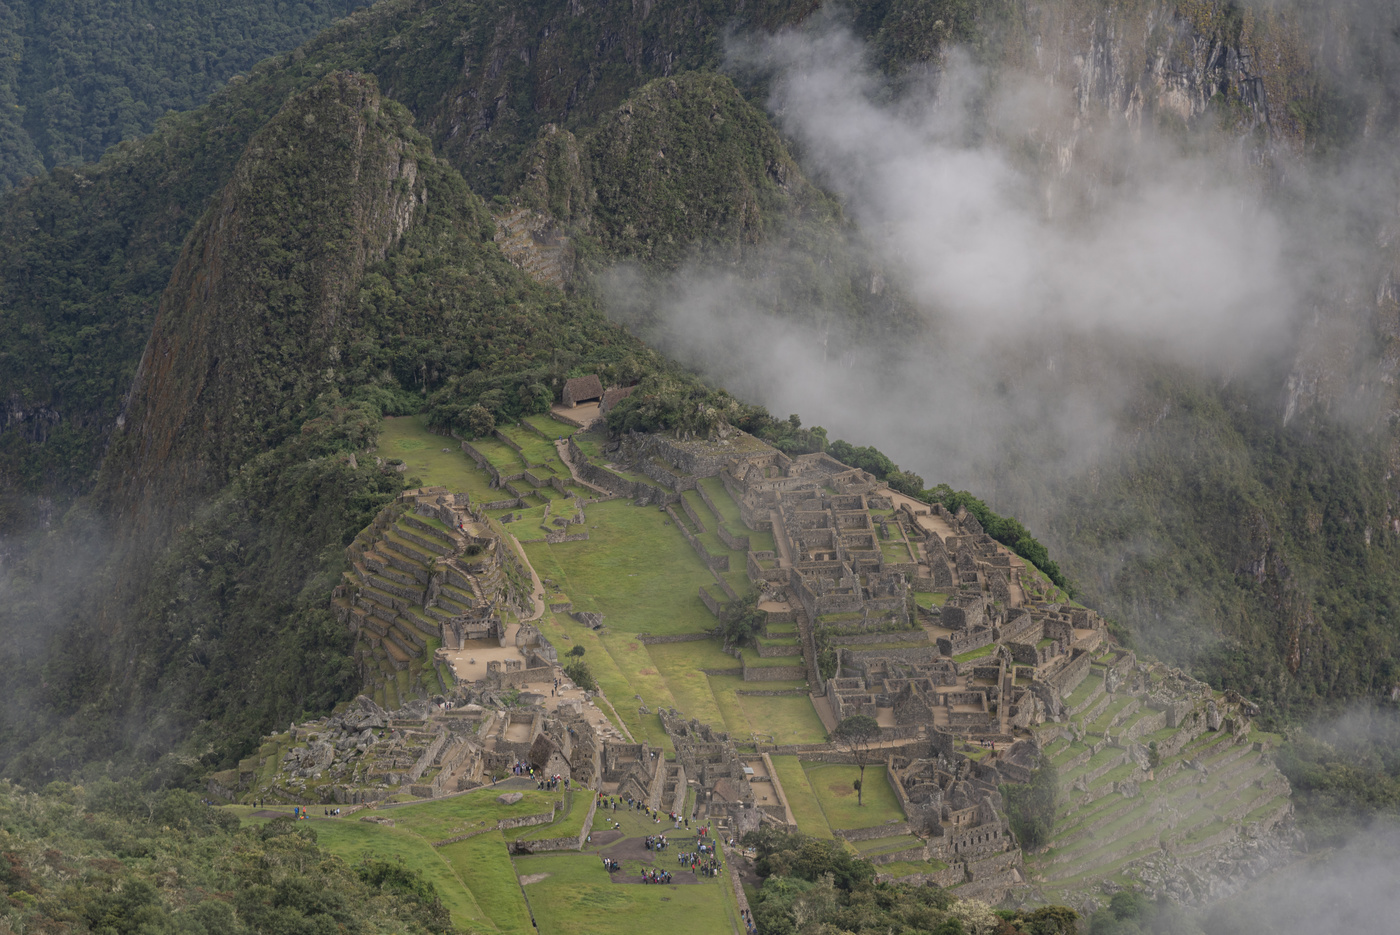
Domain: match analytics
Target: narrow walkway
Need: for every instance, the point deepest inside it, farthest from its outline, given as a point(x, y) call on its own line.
point(780, 539)
point(538, 595)
point(562, 446)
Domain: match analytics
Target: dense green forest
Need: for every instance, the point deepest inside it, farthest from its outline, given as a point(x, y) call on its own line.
point(80, 76)
point(109, 857)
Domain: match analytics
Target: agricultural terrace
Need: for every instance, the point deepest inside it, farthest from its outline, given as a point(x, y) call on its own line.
point(637, 570)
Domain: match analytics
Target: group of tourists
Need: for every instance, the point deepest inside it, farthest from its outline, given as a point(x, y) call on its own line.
point(656, 842)
point(702, 861)
point(749, 927)
point(551, 783)
point(656, 876)
point(331, 812)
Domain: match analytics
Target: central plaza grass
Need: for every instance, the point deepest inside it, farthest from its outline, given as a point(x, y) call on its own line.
point(834, 785)
point(635, 569)
point(576, 895)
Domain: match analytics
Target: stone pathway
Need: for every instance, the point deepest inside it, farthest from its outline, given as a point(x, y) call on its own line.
point(562, 446)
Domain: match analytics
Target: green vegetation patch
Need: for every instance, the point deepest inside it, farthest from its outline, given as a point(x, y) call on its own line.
point(634, 569)
point(976, 653)
point(801, 797)
point(834, 785)
point(484, 865)
point(354, 841)
point(408, 438)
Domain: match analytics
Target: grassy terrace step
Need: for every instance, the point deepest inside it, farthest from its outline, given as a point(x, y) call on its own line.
point(384, 599)
point(1081, 695)
point(395, 652)
point(1099, 761)
point(426, 526)
point(453, 607)
point(1143, 712)
point(410, 652)
point(431, 540)
point(1081, 820)
point(1111, 714)
point(1110, 852)
point(413, 593)
point(411, 550)
point(1095, 707)
point(1109, 825)
point(888, 845)
point(384, 568)
point(460, 596)
point(426, 626)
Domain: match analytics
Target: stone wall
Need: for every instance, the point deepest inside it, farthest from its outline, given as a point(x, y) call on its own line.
point(617, 486)
point(571, 843)
point(646, 639)
point(887, 830)
point(741, 543)
point(917, 655)
point(1068, 678)
point(893, 636)
point(774, 673)
point(713, 562)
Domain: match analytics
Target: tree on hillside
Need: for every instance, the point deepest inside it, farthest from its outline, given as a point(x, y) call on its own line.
point(857, 735)
point(1030, 807)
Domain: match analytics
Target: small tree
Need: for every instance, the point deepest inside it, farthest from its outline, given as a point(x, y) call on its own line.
point(577, 651)
point(741, 621)
point(857, 735)
point(581, 675)
point(480, 422)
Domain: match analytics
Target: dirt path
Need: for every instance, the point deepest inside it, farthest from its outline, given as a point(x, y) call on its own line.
point(562, 446)
point(538, 595)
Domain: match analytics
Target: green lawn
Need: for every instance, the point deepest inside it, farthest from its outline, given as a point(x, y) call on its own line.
point(550, 427)
point(444, 818)
point(635, 569)
point(485, 865)
point(354, 840)
point(789, 718)
point(474, 877)
point(535, 449)
point(904, 868)
point(800, 797)
point(407, 437)
point(930, 598)
point(834, 785)
point(615, 682)
point(503, 457)
point(567, 823)
point(572, 893)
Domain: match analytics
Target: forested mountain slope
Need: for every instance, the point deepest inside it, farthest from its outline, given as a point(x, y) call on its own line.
point(207, 323)
point(80, 76)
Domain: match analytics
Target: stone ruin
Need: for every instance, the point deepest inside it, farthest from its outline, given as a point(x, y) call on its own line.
point(429, 748)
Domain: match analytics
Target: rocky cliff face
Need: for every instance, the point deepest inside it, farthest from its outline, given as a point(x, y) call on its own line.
point(327, 187)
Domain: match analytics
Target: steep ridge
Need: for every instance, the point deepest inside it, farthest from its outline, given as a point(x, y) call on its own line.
point(251, 325)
